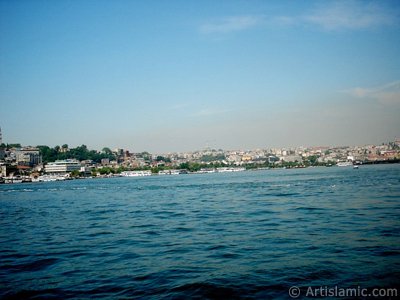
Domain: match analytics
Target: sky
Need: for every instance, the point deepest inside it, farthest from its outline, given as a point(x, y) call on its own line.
point(166, 76)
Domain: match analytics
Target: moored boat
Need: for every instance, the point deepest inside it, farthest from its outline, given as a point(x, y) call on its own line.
point(135, 173)
point(344, 163)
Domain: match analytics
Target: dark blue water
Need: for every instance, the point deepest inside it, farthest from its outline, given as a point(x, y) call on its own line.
point(232, 235)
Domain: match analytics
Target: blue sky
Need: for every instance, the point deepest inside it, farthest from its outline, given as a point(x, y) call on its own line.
point(182, 75)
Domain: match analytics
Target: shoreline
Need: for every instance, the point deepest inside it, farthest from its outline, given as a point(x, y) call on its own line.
point(54, 178)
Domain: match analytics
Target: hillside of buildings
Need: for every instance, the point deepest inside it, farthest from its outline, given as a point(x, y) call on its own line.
point(18, 160)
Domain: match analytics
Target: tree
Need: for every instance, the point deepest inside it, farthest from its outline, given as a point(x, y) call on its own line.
point(184, 166)
point(146, 156)
point(106, 150)
point(48, 154)
point(106, 170)
point(75, 173)
point(191, 166)
point(121, 169)
point(164, 159)
point(9, 146)
point(312, 159)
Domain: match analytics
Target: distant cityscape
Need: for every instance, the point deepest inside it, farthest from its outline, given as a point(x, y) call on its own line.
point(20, 163)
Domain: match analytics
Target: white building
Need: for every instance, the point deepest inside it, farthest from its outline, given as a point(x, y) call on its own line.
point(63, 166)
point(28, 156)
point(3, 171)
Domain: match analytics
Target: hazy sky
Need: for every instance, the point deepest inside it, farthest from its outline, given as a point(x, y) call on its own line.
point(181, 75)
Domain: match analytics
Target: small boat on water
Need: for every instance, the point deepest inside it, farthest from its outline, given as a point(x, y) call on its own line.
point(48, 178)
point(226, 169)
point(135, 173)
point(169, 172)
point(344, 163)
point(15, 179)
point(355, 167)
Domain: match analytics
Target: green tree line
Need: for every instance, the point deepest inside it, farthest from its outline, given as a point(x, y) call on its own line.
point(79, 153)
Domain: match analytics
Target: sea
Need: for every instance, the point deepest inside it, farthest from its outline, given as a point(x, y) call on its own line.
point(242, 235)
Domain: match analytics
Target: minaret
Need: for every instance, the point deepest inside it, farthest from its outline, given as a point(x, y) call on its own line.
point(1, 137)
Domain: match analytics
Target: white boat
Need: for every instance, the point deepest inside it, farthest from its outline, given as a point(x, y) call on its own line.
point(227, 169)
point(13, 179)
point(135, 173)
point(169, 172)
point(48, 178)
point(344, 163)
point(205, 171)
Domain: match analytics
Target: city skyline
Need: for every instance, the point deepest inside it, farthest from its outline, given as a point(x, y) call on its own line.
point(176, 76)
point(62, 148)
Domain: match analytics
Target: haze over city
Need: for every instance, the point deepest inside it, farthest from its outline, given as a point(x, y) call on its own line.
point(175, 76)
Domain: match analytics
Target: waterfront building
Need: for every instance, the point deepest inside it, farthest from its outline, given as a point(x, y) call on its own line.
point(62, 166)
point(86, 170)
point(119, 152)
point(28, 157)
point(105, 161)
point(3, 171)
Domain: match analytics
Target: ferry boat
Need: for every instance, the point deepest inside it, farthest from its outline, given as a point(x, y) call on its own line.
point(169, 172)
point(12, 179)
point(48, 178)
point(228, 169)
point(135, 173)
point(206, 171)
point(344, 163)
